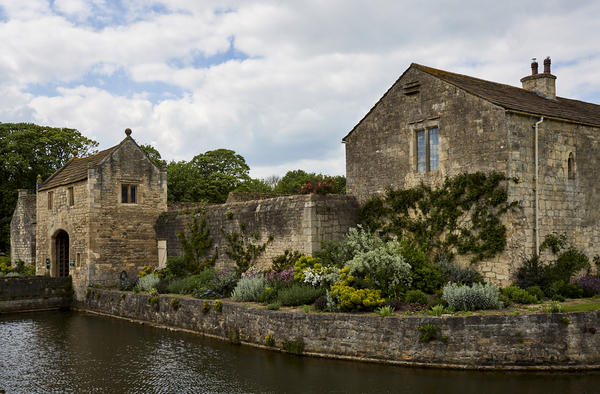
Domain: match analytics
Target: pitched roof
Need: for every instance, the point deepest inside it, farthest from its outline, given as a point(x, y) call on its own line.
point(76, 169)
point(29, 205)
point(516, 99)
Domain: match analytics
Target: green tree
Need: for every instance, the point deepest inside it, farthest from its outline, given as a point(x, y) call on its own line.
point(27, 150)
point(152, 154)
point(293, 181)
point(208, 177)
point(254, 186)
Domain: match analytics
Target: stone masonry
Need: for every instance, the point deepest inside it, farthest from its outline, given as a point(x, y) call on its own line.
point(485, 127)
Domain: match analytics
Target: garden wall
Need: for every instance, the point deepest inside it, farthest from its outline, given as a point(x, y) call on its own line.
point(297, 222)
point(28, 293)
point(536, 341)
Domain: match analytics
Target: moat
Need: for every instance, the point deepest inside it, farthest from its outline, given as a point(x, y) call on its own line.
point(74, 352)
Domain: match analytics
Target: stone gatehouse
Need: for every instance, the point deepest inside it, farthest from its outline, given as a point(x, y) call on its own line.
point(432, 123)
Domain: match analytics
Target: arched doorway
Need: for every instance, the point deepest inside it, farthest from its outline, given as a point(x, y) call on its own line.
point(62, 254)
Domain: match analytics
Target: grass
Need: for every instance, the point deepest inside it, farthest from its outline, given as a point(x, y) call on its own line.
point(582, 307)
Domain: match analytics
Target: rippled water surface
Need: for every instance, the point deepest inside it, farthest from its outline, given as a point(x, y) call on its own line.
point(69, 352)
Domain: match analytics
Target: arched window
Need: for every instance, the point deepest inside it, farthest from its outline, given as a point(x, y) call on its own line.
point(571, 165)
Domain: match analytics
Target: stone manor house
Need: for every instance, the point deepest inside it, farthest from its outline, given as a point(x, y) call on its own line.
point(100, 215)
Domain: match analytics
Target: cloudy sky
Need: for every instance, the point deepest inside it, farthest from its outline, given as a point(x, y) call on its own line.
point(279, 82)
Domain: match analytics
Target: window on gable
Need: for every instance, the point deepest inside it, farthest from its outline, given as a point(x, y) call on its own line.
point(50, 198)
point(70, 197)
point(428, 148)
point(129, 194)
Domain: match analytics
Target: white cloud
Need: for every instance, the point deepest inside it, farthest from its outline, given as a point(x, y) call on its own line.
point(314, 68)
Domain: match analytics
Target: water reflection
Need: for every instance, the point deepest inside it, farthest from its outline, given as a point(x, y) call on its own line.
point(68, 352)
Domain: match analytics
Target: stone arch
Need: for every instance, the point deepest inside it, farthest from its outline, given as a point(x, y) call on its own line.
point(59, 252)
point(571, 165)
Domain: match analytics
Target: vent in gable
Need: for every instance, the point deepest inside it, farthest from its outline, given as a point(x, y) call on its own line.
point(412, 88)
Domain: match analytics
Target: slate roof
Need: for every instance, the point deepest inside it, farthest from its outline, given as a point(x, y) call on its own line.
point(516, 99)
point(75, 170)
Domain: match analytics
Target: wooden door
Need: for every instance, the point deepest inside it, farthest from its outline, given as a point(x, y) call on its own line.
point(62, 254)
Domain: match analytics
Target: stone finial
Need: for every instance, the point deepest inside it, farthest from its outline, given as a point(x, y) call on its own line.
point(75, 153)
point(90, 163)
point(128, 132)
point(39, 178)
point(164, 164)
point(39, 183)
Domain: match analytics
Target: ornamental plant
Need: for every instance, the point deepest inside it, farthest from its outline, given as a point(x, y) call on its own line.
point(472, 298)
point(248, 289)
point(383, 268)
point(301, 265)
point(350, 299)
point(589, 284)
point(319, 185)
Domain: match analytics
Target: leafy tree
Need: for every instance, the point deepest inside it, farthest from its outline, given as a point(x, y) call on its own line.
point(27, 150)
point(255, 186)
point(207, 177)
point(293, 181)
point(152, 154)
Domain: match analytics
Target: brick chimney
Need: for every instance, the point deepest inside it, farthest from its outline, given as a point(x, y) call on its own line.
point(544, 84)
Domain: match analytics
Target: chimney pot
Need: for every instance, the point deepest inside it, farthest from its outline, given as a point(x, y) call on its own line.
point(534, 67)
point(547, 65)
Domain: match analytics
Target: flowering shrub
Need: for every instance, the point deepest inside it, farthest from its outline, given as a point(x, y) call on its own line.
point(147, 270)
point(319, 185)
point(301, 266)
point(284, 276)
point(589, 284)
point(383, 267)
point(319, 276)
point(253, 272)
point(351, 299)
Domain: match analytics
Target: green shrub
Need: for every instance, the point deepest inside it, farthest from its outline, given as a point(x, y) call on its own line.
point(286, 260)
point(435, 303)
point(296, 347)
point(536, 291)
point(268, 295)
point(274, 306)
point(182, 286)
point(269, 340)
point(385, 310)
point(25, 270)
point(555, 307)
point(505, 300)
point(425, 276)
point(437, 310)
point(568, 290)
point(320, 303)
point(453, 272)
point(428, 332)
point(519, 295)
point(299, 294)
point(382, 268)
point(205, 307)
point(248, 289)
point(416, 296)
point(148, 282)
point(174, 302)
point(336, 254)
point(176, 266)
point(218, 305)
point(472, 298)
point(350, 299)
point(569, 263)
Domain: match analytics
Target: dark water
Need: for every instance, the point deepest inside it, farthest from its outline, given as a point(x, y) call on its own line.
point(68, 352)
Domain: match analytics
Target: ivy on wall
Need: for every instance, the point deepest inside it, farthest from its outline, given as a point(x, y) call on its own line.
point(462, 216)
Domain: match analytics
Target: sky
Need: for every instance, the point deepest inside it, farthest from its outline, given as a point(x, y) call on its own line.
point(279, 82)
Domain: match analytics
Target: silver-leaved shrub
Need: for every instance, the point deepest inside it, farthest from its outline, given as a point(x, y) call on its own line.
point(248, 288)
point(384, 267)
point(148, 282)
point(472, 298)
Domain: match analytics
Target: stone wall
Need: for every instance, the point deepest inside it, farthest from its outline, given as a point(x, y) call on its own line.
point(21, 294)
point(22, 229)
point(494, 341)
point(298, 222)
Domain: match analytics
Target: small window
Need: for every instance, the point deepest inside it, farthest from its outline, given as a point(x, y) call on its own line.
point(78, 260)
point(50, 198)
point(129, 194)
point(428, 148)
point(571, 165)
point(70, 197)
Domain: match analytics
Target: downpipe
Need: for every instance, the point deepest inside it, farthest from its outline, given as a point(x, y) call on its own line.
point(537, 201)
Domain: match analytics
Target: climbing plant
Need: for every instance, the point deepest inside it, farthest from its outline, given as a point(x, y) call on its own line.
point(462, 216)
point(243, 253)
point(196, 245)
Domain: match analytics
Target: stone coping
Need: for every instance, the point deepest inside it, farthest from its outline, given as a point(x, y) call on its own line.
point(515, 342)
